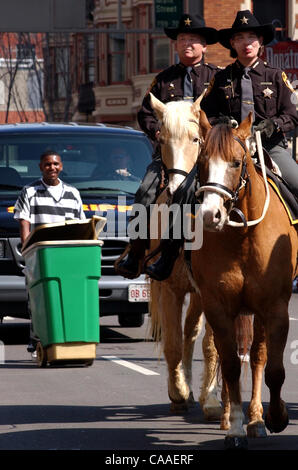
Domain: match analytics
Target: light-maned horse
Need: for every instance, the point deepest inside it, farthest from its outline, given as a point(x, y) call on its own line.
point(168, 297)
point(238, 269)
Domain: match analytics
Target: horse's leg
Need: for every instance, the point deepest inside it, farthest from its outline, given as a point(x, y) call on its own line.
point(192, 328)
point(171, 307)
point(223, 328)
point(258, 357)
point(225, 417)
point(276, 328)
point(208, 397)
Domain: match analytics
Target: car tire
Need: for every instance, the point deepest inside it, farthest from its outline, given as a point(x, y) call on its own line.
point(131, 320)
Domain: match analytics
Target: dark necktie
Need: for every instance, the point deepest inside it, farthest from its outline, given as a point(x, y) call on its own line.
point(188, 88)
point(247, 97)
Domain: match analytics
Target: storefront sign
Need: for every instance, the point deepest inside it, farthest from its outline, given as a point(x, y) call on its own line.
point(284, 55)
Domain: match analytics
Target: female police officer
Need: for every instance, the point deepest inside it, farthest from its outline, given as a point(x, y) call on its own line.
point(249, 84)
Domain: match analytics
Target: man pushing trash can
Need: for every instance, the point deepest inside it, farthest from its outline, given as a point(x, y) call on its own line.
point(47, 200)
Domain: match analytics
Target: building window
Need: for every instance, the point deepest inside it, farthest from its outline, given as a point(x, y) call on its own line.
point(90, 58)
point(62, 72)
point(267, 11)
point(116, 57)
point(160, 53)
point(25, 52)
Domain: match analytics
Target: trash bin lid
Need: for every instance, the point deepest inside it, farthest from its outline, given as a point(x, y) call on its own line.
point(86, 229)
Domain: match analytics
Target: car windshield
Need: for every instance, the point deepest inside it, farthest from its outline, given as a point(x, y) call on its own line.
point(91, 162)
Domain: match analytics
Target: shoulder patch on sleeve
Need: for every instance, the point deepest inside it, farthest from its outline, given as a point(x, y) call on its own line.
point(287, 82)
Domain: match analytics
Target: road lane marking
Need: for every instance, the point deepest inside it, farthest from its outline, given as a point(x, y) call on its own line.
point(130, 365)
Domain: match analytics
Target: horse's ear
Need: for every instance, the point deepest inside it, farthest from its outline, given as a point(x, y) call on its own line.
point(244, 128)
point(157, 106)
point(204, 123)
point(196, 107)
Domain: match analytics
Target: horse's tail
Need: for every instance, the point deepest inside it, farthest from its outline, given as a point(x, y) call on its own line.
point(154, 310)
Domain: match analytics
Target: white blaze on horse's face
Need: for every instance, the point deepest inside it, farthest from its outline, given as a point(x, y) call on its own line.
point(213, 210)
point(179, 137)
point(180, 154)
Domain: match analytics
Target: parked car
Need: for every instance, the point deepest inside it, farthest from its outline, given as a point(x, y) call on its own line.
point(106, 164)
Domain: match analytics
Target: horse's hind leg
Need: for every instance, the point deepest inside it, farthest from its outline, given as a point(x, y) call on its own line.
point(171, 303)
point(276, 328)
point(208, 397)
point(258, 357)
point(192, 328)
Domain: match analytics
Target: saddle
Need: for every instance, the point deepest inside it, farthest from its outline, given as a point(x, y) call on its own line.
point(280, 186)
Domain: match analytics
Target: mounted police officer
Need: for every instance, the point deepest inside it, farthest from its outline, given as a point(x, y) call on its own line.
point(250, 84)
point(185, 80)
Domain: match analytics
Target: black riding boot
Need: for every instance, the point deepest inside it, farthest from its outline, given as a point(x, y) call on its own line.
point(130, 265)
point(162, 268)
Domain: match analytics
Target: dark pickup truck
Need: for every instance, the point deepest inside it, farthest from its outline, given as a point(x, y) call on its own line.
point(106, 164)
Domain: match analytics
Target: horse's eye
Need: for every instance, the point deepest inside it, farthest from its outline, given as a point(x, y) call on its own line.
point(236, 164)
point(196, 139)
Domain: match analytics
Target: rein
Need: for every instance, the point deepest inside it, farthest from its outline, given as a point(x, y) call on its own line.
point(232, 196)
point(267, 200)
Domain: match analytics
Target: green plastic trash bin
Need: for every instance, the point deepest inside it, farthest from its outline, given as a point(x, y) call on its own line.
point(63, 291)
point(62, 280)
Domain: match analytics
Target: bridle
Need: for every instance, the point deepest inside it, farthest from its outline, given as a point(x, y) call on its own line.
point(177, 171)
point(231, 197)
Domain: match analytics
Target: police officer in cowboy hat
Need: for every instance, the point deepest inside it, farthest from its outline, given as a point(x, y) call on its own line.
point(271, 94)
point(192, 38)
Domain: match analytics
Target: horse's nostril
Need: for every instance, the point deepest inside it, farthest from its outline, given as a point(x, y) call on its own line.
point(218, 215)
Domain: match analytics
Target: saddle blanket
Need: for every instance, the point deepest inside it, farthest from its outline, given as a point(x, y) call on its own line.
point(287, 198)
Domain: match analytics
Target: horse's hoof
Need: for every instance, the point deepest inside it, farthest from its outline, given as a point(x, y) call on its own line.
point(256, 429)
point(236, 443)
point(179, 407)
point(212, 413)
point(191, 400)
point(276, 426)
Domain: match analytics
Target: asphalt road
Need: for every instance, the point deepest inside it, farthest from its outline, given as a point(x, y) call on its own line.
point(117, 406)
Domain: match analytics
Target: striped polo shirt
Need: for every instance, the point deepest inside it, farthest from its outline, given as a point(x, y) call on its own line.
point(42, 204)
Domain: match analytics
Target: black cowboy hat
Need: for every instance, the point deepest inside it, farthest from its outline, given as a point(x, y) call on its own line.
point(246, 21)
point(193, 24)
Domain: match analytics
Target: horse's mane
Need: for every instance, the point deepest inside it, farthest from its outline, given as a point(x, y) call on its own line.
point(219, 141)
point(176, 118)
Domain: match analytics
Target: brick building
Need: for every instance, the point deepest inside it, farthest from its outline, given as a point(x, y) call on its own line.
point(21, 88)
point(115, 68)
point(121, 66)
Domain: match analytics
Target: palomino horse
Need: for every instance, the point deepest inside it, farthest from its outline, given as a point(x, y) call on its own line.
point(167, 297)
point(245, 268)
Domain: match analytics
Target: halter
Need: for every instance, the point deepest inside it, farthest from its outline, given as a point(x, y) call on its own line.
point(232, 196)
point(227, 193)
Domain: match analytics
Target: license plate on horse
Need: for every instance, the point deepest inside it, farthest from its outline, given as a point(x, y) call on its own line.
point(138, 293)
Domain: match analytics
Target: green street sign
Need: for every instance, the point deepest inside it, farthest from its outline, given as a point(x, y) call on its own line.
point(168, 13)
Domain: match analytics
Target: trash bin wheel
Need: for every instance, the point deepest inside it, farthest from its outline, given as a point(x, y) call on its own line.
point(89, 362)
point(41, 355)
